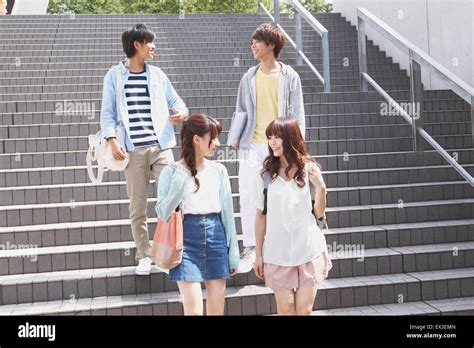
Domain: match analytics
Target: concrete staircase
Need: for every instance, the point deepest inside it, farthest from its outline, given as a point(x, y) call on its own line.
point(67, 244)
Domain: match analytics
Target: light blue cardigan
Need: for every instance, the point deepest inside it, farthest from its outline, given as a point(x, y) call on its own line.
point(108, 111)
point(171, 189)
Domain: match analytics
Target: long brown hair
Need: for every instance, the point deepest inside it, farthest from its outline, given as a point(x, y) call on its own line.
point(294, 149)
point(200, 125)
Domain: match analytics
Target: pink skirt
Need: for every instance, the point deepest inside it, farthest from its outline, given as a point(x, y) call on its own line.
point(285, 278)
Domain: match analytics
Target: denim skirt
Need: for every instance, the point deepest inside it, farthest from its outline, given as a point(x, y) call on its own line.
point(205, 253)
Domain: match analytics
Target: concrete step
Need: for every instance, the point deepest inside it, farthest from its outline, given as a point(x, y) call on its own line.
point(343, 161)
point(72, 177)
point(178, 26)
point(399, 211)
point(323, 147)
point(397, 291)
point(184, 40)
point(160, 22)
point(190, 87)
point(193, 96)
point(87, 113)
point(70, 112)
point(376, 68)
point(321, 133)
point(387, 83)
point(348, 260)
point(69, 92)
point(345, 41)
point(228, 66)
point(394, 213)
point(108, 231)
point(455, 306)
point(31, 69)
point(313, 48)
point(162, 58)
point(170, 31)
point(14, 148)
point(168, 36)
point(337, 194)
point(192, 74)
point(224, 106)
point(225, 100)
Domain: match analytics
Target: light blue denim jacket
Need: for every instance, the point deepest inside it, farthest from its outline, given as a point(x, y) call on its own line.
point(290, 103)
point(108, 112)
point(171, 190)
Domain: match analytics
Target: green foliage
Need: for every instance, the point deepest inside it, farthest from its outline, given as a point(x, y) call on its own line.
point(220, 6)
point(84, 6)
point(174, 6)
point(151, 6)
point(113, 6)
point(313, 6)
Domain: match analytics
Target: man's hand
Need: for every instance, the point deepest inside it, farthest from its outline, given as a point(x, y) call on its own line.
point(237, 144)
point(177, 117)
point(118, 150)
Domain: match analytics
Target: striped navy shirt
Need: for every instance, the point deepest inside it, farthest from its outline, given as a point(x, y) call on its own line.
point(138, 107)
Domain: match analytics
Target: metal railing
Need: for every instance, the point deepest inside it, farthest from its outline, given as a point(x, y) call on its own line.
point(300, 11)
point(417, 59)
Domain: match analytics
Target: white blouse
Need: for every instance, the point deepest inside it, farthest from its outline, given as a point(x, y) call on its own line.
point(206, 199)
point(292, 235)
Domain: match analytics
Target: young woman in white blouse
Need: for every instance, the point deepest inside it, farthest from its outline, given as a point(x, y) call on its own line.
point(291, 250)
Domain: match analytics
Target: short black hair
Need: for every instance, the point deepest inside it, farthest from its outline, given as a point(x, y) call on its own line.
point(141, 33)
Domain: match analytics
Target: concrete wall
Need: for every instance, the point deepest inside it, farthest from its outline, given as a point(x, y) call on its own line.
point(441, 28)
point(30, 7)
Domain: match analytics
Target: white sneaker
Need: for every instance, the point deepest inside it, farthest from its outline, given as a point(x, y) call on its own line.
point(247, 259)
point(144, 266)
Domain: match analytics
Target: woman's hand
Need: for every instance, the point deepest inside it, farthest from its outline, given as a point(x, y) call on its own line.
point(316, 178)
point(258, 267)
point(232, 271)
point(320, 190)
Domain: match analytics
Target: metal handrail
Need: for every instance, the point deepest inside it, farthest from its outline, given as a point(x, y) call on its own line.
point(417, 59)
point(300, 11)
point(456, 84)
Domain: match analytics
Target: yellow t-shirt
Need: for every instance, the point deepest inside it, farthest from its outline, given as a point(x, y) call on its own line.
point(267, 103)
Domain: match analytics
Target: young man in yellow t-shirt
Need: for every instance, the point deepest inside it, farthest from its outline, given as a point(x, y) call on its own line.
point(266, 92)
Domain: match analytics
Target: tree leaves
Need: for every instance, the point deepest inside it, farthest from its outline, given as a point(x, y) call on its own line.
point(173, 6)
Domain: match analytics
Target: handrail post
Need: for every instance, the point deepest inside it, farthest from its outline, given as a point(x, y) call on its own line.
point(299, 45)
point(472, 119)
point(364, 87)
point(259, 7)
point(276, 11)
point(326, 62)
point(416, 97)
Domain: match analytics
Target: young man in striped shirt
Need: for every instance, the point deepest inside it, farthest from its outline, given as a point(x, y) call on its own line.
point(145, 95)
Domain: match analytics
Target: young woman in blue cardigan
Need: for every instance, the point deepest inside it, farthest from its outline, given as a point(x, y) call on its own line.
point(202, 189)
